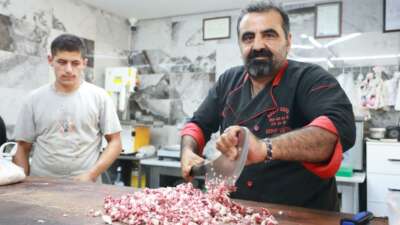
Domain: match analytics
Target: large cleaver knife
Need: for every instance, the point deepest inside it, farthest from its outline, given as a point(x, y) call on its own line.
point(222, 167)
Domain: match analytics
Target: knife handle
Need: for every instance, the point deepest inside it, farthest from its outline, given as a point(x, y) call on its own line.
point(198, 170)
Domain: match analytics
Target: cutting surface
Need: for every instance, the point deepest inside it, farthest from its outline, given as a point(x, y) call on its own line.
point(53, 201)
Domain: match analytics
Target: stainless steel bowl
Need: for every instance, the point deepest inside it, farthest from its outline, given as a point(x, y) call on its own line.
point(377, 132)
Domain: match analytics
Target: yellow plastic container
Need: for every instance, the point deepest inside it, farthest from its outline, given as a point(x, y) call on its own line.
point(135, 180)
point(142, 137)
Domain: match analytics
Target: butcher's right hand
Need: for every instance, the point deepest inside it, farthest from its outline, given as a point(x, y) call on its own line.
point(188, 160)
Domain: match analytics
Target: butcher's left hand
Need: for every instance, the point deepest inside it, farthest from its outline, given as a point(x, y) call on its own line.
point(84, 177)
point(228, 141)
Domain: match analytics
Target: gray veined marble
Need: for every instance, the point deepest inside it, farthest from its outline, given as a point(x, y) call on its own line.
point(169, 98)
point(58, 25)
point(112, 30)
point(28, 27)
point(5, 3)
point(196, 39)
point(6, 41)
point(189, 90)
point(152, 98)
point(22, 72)
point(75, 16)
point(26, 38)
point(157, 61)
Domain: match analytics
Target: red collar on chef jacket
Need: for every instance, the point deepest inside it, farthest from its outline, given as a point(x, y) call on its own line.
point(280, 74)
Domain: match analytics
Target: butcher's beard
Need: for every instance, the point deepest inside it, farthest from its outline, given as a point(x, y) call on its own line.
point(260, 68)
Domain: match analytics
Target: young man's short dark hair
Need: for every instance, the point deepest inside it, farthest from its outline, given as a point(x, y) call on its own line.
point(259, 7)
point(69, 43)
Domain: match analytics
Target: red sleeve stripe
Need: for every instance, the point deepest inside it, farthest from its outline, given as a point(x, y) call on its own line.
point(326, 86)
point(280, 74)
point(195, 131)
point(329, 169)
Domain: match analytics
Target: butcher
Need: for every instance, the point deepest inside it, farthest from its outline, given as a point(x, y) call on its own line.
point(300, 119)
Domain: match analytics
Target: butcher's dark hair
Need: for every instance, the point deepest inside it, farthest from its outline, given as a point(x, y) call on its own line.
point(69, 43)
point(259, 7)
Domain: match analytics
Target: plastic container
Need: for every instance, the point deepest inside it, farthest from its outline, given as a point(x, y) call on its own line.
point(345, 171)
point(135, 179)
point(142, 136)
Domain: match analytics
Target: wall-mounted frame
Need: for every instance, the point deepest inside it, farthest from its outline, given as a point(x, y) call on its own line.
point(328, 20)
point(216, 28)
point(391, 15)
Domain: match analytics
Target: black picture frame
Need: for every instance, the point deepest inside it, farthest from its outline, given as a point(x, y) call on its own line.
point(216, 28)
point(391, 16)
point(328, 20)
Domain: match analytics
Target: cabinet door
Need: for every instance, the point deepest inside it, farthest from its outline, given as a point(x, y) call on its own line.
point(378, 186)
point(383, 158)
point(378, 209)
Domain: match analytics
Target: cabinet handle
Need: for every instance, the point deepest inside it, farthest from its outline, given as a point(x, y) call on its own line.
point(394, 189)
point(394, 160)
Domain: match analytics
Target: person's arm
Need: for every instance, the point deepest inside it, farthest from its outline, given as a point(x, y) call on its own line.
point(197, 132)
point(109, 155)
point(21, 158)
point(189, 155)
point(309, 144)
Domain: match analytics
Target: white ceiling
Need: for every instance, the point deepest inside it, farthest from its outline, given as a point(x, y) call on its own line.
point(146, 9)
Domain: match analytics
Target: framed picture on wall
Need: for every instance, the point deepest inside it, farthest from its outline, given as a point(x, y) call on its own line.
point(216, 28)
point(328, 20)
point(391, 15)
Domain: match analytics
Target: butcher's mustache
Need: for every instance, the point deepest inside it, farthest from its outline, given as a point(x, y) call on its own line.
point(260, 53)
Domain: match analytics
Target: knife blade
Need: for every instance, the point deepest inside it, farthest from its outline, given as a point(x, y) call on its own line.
point(222, 167)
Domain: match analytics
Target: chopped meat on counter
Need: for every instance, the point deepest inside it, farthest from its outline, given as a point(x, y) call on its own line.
point(184, 205)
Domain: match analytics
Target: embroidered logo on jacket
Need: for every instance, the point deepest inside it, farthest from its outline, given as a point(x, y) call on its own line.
point(278, 121)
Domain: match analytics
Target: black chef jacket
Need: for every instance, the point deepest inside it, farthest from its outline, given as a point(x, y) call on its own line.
point(300, 94)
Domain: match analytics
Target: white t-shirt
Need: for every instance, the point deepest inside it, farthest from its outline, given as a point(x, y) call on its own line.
point(66, 129)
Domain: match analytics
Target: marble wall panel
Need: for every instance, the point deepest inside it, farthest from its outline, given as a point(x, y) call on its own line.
point(190, 93)
point(22, 72)
point(152, 98)
point(75, 17)
point(22, 37)
point(362, 16)
point(107, 56)
point(11, 101)
point(37, 12)
point(157, 61)
point(153, 34)
point(6, 42)
point(169, 98)
point(113, 30)
point(26, 31)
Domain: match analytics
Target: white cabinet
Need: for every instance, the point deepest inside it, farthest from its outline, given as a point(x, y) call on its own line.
point(383, 174)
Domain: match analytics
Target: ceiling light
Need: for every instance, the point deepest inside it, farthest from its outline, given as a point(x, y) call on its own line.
point(304, 36)
point(314, 60)
point(307, 59)
point(365, 57)
point(314, 42)
point(302, 47)
point(330, 64)
point(344, 38)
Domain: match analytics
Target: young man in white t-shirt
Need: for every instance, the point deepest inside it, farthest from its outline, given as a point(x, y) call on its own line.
point(63, 122)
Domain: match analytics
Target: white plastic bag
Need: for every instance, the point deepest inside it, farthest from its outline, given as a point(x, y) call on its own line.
point(9, 172)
